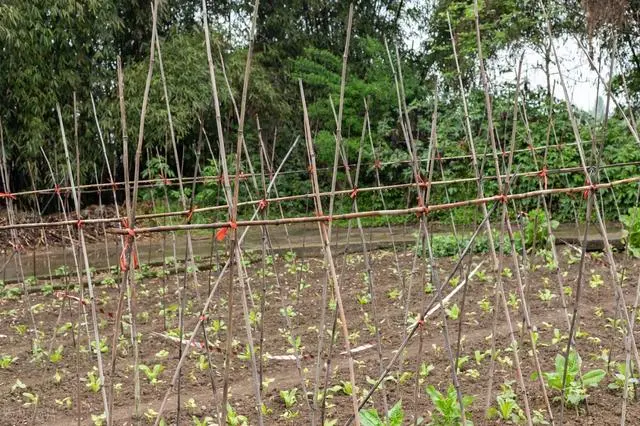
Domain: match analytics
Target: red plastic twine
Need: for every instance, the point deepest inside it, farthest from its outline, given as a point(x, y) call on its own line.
point(56, 189)
point(222, 232)
point(422, 182)
point(131, 234)
point(262, 204)
point(80, 223)
point(165, 180)
point(592, 188)
point(354, 193)
point(7, 195)
point(189, 214)
point(542, 174)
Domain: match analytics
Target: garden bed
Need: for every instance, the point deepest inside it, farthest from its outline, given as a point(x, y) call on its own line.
point(53, 379)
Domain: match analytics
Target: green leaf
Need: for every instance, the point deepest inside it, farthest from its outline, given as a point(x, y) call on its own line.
point(593, 377)
point(370, 418)
point(396, 414)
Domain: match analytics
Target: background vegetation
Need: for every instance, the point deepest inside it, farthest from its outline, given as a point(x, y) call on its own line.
point(53, 49)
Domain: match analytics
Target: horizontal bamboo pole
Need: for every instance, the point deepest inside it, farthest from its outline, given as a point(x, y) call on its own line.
point(287, 198)
point(146, 183)
point(378, 213)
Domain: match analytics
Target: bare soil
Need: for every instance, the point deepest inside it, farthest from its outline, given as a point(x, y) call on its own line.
point(299, 296)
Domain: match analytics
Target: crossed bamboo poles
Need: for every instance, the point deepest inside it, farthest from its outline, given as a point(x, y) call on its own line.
point(233, 269)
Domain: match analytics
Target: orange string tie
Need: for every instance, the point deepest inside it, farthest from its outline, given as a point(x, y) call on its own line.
point(165, 180)
point(17, 247)
point(56, 189)
point(422, 182)
point(222, 232)
point(377, 165)
point(542, 174)
point(114, 186)
point(7, 195)
point(592, 188)
point(354, 193)
point(311, 169)
point(420, 322)
point(131, 234)
point(503, 198)
point(504, 154)
point(80, 223)
point(422, 208)
point(189, 214)
point(262, 204)
point(203, 317)
point(530, 146)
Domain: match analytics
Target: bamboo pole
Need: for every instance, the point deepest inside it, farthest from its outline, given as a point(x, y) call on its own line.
point(324, 234)
point(85, 258)
point(474, 160)
point(380, 213)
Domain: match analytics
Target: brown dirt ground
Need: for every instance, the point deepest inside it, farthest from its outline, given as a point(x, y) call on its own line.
point(50, 314)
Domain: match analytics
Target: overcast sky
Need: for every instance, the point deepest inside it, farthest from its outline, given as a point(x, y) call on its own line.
point(581, 81)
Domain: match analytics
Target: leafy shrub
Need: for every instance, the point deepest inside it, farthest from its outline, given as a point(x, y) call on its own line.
point(536, 228)
point(370, 417)
point(631, 231)
point(447, 408)
point(575, 386)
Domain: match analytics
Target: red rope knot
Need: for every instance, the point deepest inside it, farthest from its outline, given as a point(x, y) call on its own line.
point(80, 224)
point(377, 164)
point(222, 232)
point(542, 174)
point(591, 188)
point(189, 214)
point(202, 318)
point(421, 322)
point(422, 182)
point(262, 204)
point(530, 146)
point(165, 180)
point(504, 153)
point(354, 193)
point(114, 186)
point(131, 235)
point(311, 169)
point(17, 247)
point(7, 195)
point(423, 210)
point(56, 189)
point(503, 198)
point(438, 156)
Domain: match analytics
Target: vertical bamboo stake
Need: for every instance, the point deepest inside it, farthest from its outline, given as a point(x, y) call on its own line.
point(226, 267)
point(338, 135)
point(126, 274)
point(590, 194)
point(190, 257)
point(324, 234)
point(17, 246)
point(474, 159)
point(85, 258)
